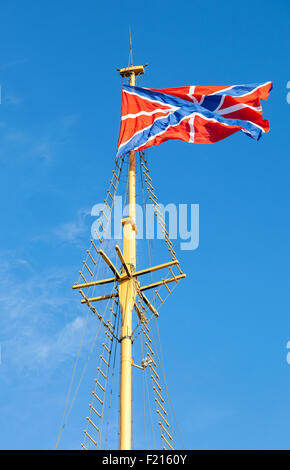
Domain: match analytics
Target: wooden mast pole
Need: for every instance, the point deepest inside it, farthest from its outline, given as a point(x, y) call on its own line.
point(127, 291)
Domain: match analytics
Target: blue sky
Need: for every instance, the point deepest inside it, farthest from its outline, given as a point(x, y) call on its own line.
point(225, 330)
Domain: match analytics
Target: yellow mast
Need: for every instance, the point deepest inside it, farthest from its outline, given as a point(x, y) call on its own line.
point(127, 291)
point(129, 288)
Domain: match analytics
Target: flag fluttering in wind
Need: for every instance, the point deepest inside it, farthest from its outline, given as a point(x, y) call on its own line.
point(196, 114)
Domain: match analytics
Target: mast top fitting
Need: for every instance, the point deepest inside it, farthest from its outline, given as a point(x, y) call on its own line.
point(135, 69)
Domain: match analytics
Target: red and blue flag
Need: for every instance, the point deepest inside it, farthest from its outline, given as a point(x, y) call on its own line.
point(196, 114)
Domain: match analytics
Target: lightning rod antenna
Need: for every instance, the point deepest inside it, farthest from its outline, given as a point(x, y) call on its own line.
point(131, 49)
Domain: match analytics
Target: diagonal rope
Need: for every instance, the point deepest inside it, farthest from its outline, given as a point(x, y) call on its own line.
point(65, 417)
point(161, 362)
point(61, 426)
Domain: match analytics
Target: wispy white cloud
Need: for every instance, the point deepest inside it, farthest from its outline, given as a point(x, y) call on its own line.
point(11, 98)
point(12, 63)
point(72, 231)
point(32, 349)
point(43, 150)
point(18, 137)
point(44, 142)
point(41, 325)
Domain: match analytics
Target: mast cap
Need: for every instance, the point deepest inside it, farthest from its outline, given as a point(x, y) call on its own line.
point(136, 69)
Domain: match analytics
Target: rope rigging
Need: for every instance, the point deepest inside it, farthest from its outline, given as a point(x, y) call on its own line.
point(103, 255)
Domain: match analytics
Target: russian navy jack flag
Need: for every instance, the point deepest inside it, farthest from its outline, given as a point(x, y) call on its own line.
point(197, 114)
